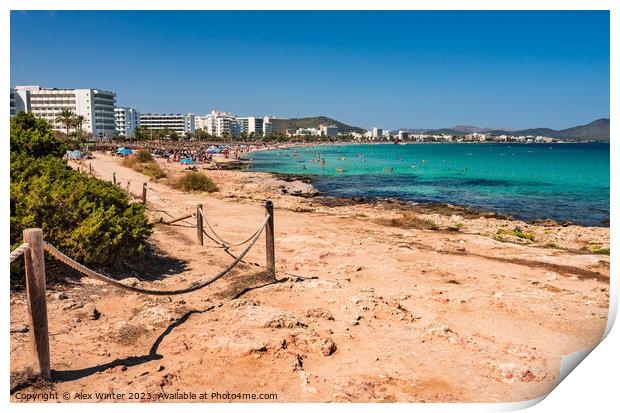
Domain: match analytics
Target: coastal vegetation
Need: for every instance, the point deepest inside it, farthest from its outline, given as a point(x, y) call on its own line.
point(91, 220)
point(71, 120)
point(315, 121)
point(144, 163)
point(410, 221)
point(523, 235)
point(195, 182)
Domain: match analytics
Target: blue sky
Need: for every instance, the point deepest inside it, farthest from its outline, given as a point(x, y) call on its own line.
point(387, 69)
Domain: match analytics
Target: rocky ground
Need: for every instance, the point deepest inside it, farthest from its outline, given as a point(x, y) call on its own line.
point(373, 301)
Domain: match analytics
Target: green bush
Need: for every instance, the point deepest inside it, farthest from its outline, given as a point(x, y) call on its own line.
point(144, 156)
point(524, 235)
point(603, 251)
point(32, 136)
point(153, 170)
point(90, 220)
point(149, 168)
point(196, 181)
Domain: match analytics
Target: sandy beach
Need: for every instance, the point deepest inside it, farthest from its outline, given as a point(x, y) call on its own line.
point(364, 310)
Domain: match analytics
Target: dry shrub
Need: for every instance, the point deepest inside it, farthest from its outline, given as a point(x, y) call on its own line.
point(150, 168)
point(128, 334)
point(410, 221)
point(195, 181)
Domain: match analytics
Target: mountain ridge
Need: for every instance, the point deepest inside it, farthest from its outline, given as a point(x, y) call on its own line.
point(598, 130)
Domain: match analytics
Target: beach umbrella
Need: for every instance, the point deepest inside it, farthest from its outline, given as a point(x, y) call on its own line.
point(125, 151)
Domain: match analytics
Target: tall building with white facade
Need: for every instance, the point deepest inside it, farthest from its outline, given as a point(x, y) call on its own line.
point(127, 121)
point(251, 125)
point(200, 122)
point(220, 124)
point(329, 130)
point(181, 124)
point(377, 132)
point(95, 105)
point(17, 102)
point(190, 123)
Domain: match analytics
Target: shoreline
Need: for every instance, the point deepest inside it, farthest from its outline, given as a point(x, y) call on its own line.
point(414, 206)
point(506, 213)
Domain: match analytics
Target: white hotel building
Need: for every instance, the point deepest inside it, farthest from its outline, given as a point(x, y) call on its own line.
point(181, 124)
point(219, 124)
point(250, 125)
point(97, 106)
point(20, 101)
point(127, 121)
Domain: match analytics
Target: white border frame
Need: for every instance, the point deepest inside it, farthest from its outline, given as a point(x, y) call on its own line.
point(589, 387)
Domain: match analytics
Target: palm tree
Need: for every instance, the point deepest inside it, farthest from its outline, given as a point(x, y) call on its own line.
point(78, 121)
point(66, 117)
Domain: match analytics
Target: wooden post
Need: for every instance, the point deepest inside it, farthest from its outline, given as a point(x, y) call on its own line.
point(199, 224)
point(90, 168)
point(128, 182)
point(269, 238)
point(37, 305)
point(144, 193)
point(172, 221)
point(114, 178)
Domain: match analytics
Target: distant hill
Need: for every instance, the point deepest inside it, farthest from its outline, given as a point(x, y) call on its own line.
point(472, 129)
point(314, 122)
point(532, 132)
point(597, 130)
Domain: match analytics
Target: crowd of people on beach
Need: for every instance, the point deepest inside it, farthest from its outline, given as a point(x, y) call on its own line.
point(185, 152)
point(191, 151)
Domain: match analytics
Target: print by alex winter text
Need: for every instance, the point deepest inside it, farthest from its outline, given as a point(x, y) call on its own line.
point(321, 249)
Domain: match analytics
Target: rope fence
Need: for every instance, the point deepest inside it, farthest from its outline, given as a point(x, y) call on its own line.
point(221, 241)
point(34, 247)
point(197, 286)
point(17, 252)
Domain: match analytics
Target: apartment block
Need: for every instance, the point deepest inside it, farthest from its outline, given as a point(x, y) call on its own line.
point(179, 123)
point(95, 105)
point(220, 124)
point(127, 121)
point(251, 125)
point(275, 126)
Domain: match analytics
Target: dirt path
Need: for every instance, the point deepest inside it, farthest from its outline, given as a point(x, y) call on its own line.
point(392, 315)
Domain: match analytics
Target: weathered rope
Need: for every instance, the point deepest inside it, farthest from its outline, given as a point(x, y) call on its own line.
point(90, 273)
point(19, 251)
point(226, 249)
point(221, 241)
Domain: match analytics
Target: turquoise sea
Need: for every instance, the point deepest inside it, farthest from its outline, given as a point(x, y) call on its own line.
point(528, 181)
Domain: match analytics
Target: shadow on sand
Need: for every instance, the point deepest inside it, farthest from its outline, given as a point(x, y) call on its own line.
point(60, 376)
